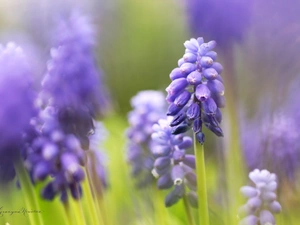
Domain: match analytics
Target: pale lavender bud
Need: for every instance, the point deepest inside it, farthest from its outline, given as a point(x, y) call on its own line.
point(266, 218)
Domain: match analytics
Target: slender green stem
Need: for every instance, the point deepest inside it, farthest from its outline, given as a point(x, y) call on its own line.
point(70, 220)
point(28, 193)
point(160, 212)
point(93, 181)
point(234, 164)
point(188, 211)
point(90, 202)
point(78, 212)
point(201, 184)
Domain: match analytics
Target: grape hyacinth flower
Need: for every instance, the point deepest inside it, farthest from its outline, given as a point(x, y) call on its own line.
point(73, 83)
point(196, 92)
point(275, 145)
point(172, 166)
point(148, 107)
point(17, 107)
point(262, 199)
point(57, 154)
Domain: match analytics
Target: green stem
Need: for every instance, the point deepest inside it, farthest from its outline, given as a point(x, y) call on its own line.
point(90, 202)
point(235, 168)
point(188, 211)
point(28, 193)
point(160, 212)
point(70, 220)
point(201, 184)
point(78, 212)
point(93, 182)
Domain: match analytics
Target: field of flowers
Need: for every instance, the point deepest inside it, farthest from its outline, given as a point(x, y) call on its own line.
point(149, 112)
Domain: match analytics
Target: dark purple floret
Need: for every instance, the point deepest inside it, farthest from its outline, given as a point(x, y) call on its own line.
point(196, 92)
point(172, 166)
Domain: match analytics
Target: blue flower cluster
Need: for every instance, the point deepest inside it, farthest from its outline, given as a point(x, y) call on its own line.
point(271, 138)
point(262, 199)
point(57, 154)
point(16, 96)
point(172, 166)
point(196, 92)
point(148, 108)
point(71, 97)
point(72, 82)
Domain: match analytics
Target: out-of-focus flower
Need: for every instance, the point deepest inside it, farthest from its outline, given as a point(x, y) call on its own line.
point(270, 140)
point(73, 82)
point(148, 107)
point(17, 106)
point(73, 97)
point(57, 154)
point(196, 92)
point(262, 199)
point(225, 21)
point(172, 166)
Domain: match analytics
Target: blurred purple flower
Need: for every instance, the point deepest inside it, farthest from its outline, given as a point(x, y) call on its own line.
point(148, 107)
point(262, 199)
point(196, 92)
point(17, 106)
point(73, 82)
point(270, 140)
point(57, 154)
point(225, 21)
point(172, 166)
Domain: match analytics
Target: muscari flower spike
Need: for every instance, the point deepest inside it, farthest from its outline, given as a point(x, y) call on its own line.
point(73, 82)
point(56, 154)
point(261, 202)
point(172, 166)
point(72, 98)
point(196, 92)
point(276, 140)
point(148, 107)
point(17, 107)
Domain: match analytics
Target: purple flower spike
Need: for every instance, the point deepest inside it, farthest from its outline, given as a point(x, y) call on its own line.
point(148, 108)
point(262, 199)
point(197, 89)
point(172, 168)
point(73, 83)
point(17, 107)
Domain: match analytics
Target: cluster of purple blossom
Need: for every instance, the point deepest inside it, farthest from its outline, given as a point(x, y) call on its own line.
point(148, 108)
point(196, 92)
point(52, 135)
point(262, 199)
